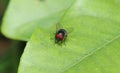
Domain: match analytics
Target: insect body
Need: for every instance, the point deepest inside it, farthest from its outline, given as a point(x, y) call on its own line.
point(60, 35)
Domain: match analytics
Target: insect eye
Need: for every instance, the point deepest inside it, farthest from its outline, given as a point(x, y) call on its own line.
point(61, 37)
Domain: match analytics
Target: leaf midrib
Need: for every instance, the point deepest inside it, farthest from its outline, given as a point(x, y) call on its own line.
point(90, 53)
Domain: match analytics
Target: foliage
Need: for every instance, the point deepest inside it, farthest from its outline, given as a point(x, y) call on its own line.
point(92, 45)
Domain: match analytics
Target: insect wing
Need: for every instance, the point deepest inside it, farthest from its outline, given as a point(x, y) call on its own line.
point(59, 26)
point(69, 29)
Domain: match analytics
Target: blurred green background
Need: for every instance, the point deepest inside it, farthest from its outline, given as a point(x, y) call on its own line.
point(9, 55)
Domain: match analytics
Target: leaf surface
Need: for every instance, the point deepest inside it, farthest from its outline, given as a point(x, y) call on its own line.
point(92, 46)
point(23, 16)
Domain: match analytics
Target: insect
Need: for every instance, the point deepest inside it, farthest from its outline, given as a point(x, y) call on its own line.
point(60, 35)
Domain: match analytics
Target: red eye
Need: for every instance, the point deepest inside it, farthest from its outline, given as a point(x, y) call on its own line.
point(59, 36)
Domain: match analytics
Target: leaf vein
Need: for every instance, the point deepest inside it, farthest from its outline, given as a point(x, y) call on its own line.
point(89, 54)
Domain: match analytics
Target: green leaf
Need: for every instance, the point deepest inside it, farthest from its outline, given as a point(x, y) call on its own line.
point(23, 16)
point(91, 47)
point(81, 53)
